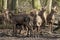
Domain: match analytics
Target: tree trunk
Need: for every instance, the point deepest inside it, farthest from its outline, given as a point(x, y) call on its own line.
point(36, 4)
point(4, 4)
point(16, 6)
point(9, 4)
point(49, 5)
point(13, 4)
point(0, 4)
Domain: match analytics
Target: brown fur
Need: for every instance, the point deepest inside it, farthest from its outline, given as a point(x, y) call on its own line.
point(50, 19)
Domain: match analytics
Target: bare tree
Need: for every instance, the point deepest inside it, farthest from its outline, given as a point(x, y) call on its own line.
point(4, 4)
point(16, 6)
point(36, 4)
point(49, 5)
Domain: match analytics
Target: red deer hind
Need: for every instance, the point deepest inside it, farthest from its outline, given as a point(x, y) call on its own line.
point(51, 18)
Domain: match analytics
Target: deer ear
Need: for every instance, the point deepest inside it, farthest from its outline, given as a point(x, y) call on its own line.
point(54, 9)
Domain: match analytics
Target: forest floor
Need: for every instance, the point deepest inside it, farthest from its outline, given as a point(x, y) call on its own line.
point(30, 38)
point(4, 36)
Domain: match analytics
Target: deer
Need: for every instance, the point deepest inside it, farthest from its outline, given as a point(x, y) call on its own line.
point(17, 20)
point(50, 19)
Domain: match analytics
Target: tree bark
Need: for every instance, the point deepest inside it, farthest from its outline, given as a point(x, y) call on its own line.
point(36, 4)
point(49, 5)
point(16, 6)
point(13, 4)
point(4, 4)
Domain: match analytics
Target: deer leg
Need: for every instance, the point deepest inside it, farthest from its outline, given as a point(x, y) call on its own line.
point(14, 30)
point(39, 29)
point(50, 29)
point(20, 31)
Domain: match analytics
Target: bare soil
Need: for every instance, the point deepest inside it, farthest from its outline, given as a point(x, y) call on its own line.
point(15, 38)
point(4, 36)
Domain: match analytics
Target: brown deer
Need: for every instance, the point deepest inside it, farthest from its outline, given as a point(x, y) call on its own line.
point(51, 18)
point(37, 20)
point(42, 15)
point(20, 20)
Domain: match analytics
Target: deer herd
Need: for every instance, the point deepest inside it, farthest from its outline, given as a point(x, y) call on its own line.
point(36, 19)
